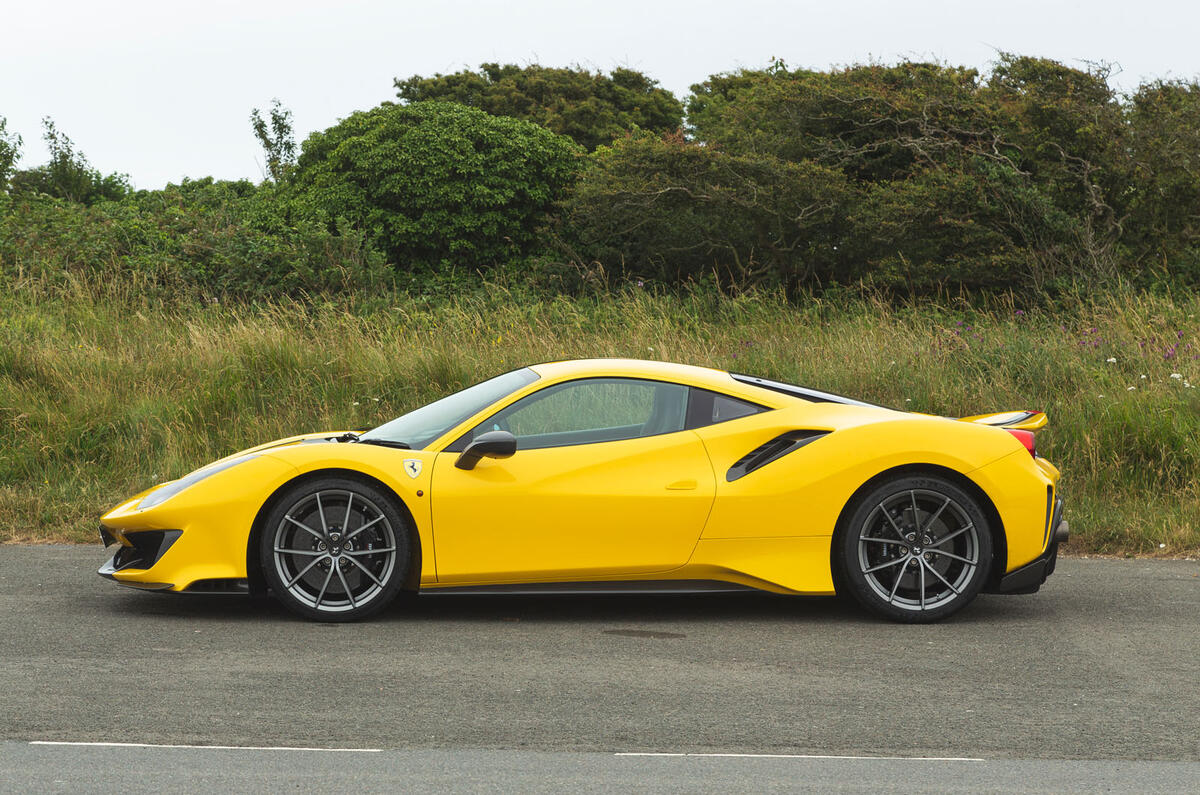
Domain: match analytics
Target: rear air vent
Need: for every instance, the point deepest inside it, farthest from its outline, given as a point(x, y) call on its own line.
point(769, 451)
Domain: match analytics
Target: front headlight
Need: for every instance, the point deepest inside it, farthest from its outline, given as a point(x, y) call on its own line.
point(159, 496)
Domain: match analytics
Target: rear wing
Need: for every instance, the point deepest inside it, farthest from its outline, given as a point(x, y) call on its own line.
point(1011, 420)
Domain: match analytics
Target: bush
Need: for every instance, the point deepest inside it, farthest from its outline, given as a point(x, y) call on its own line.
point(437, 184)
point(981, 227)
point(205, 237)
point(674, 211)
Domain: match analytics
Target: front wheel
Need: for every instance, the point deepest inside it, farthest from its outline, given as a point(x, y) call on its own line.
point(335, 549)
point(916, 549)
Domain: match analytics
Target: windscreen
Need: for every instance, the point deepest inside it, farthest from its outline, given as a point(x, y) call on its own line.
point(420, 427)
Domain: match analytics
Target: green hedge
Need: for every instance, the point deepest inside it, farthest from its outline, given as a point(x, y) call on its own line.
point(212, 238)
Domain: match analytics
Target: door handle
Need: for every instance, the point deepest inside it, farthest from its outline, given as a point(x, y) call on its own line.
point(682, 485)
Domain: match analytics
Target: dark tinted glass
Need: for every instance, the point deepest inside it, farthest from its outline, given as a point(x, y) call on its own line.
point(709, 408)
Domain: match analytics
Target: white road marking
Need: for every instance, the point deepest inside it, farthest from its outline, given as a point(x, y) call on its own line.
point(211, 747)
point(813, 756)
point(619, 753)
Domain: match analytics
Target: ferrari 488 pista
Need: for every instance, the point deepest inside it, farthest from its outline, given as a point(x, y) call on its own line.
point(613, 474)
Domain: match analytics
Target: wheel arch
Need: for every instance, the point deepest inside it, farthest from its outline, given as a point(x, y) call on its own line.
point(254, 575)
point(995, 523)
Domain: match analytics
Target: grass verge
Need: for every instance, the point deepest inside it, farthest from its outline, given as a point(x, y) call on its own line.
point(101, 396)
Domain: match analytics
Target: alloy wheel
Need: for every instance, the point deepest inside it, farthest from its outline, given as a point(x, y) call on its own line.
point(334, 551)
point(918, 550)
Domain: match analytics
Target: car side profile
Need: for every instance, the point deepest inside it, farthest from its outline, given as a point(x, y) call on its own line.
point(611, 474)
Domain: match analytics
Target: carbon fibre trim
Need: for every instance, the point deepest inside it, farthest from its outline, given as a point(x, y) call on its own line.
point(1049, 515)
point(597, 587)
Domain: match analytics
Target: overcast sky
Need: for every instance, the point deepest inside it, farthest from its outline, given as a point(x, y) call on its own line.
point(161, 89)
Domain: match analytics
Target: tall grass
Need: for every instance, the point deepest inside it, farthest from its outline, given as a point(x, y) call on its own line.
point(103, 394)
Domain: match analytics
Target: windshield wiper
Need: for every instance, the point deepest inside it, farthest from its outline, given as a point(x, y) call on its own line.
point(386, 443)
point(351, 436)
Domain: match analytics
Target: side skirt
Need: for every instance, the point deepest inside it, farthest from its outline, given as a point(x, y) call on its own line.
point(598, 587)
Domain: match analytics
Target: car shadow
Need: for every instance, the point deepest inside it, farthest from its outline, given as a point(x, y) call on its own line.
point(606, 608)
point(700, 608)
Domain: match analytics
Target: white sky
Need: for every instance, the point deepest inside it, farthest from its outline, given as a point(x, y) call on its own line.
point(162, 89)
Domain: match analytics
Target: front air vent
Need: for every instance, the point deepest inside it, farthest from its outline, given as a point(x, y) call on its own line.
point(147, 547)
point(769, 451)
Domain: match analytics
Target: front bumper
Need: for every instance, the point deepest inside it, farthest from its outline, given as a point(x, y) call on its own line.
point(213, 518)
point(1029, 578)
point(139, 551)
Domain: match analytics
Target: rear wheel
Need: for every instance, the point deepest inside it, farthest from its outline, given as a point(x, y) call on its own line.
point(335, 549)
point(916, 549)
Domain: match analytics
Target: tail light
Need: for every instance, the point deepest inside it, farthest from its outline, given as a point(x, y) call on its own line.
point(1025, 438)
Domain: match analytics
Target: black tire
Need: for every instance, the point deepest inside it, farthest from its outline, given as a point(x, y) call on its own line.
point(335, 549)
point(915, 549)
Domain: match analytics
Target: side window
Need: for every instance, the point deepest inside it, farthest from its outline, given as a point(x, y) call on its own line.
point(588, 411)
point(709, 408)
point(730, 408)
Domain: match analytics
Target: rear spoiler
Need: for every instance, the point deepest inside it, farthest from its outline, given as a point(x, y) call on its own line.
point(1011, 420)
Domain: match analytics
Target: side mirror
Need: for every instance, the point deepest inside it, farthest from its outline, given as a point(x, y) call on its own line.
point(493, 444)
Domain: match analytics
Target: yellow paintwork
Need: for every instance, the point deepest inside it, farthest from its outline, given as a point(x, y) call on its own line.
point(651, 508)
point(613, 513)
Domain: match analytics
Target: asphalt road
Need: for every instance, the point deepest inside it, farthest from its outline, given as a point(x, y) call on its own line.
point(69, 769)
point(1103, 664)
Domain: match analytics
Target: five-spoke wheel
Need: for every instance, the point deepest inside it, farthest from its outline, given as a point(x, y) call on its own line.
point(915, 549)
point(335, 549)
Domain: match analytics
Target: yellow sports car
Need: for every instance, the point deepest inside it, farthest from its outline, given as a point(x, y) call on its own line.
point(611, 474)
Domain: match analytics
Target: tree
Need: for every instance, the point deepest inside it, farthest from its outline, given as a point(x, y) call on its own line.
point(1163, 221)
point(436, 184)
point(590, 107)
point(10, 152)
point(277, 138)
point(68, 175)
point(1024, 171)
point(873, 122)
point(1068, 127)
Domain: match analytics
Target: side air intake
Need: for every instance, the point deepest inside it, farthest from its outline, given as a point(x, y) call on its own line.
point(770, 451)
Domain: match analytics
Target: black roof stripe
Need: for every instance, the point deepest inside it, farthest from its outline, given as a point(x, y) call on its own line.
point(802, 392)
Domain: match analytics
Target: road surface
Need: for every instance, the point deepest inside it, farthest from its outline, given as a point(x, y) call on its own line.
point(1099, 674)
